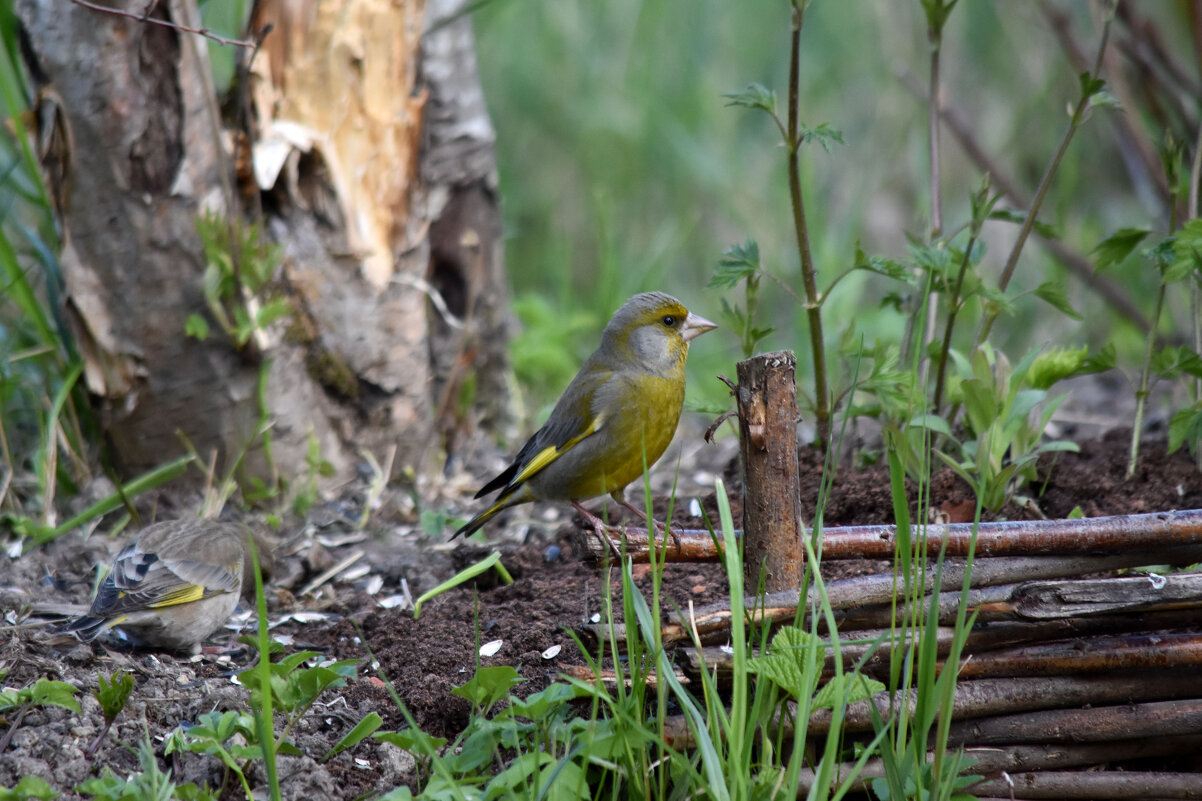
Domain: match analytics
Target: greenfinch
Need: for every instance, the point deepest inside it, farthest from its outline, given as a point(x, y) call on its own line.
point(173, 585)
point(615, 419)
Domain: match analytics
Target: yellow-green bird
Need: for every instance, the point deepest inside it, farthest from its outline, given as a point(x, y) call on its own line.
point(173, 585)
point(618, 414)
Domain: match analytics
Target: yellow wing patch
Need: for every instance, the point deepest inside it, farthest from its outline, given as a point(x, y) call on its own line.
point(184, 595)
point(553, 452)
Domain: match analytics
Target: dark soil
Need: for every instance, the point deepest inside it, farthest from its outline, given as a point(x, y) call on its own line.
point(424, 658)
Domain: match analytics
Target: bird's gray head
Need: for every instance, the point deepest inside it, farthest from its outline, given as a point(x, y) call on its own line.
point(654, 329)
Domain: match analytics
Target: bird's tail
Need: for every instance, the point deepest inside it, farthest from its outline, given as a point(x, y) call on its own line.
point(88, 627)
point(477, 522)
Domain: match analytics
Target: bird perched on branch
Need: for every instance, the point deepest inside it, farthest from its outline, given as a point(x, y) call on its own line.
point(173, 585)
point(614, 420)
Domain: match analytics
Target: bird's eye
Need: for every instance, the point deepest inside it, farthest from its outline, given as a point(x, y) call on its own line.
point(669, 321)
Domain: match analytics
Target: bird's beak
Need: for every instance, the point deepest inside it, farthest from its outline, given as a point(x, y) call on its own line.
point(695, 325)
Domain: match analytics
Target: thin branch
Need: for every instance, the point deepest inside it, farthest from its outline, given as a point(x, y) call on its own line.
point(1118, 297)
point(1114, 533)
point(162, 23)
point(1045, 182)
point(813, 305)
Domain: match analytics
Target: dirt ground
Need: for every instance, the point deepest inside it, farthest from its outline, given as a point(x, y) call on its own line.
point(363, 607)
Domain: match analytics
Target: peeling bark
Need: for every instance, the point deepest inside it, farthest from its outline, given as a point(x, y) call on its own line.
point(339, 179)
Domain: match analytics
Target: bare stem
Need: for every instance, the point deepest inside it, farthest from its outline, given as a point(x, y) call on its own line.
point(935, 37)
point(1145, 377)
point(949, 326)
point(813, 303)
point(1045, 183)
point(1195, 290)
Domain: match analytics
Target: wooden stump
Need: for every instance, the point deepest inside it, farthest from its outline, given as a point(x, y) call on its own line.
point(767, 399)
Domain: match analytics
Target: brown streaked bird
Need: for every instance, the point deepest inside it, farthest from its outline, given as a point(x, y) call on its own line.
point(172, 586)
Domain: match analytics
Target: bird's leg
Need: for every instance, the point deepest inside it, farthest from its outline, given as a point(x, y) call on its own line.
point(661, 528)
point(599, 528)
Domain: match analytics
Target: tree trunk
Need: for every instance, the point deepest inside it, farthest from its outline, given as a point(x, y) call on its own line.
point(333, 113)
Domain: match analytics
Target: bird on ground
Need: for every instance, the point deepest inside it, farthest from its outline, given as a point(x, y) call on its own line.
point(614, 420)
point(173, 585)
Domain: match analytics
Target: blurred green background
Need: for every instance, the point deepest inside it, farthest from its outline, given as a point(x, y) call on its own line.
point(623, 170)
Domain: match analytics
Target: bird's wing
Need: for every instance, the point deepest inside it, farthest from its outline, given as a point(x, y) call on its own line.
point(575, 417)
point(142, 579)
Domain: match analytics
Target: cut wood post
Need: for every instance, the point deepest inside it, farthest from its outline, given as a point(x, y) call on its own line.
point(767, 401)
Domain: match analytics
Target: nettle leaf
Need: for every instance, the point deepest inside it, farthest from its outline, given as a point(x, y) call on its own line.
point(737, 262)
point(1053, 293)
point(793, 662)
point(1115, 248)
point(1046, 230)
point(1056, 365)
point(931, 258)
point(1103, 360)
point(45, 692)
point(824, 134)
point(853, 687)
point(1187, 252)
point(113, 691)
point(886, 267)
point(1186, 427)
point(1060, 363)
point(755, 95)
point(1170, 362)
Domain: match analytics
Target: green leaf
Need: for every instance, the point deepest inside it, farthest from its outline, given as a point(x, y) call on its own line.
point(793, 662)
point(415, 741)
point(1053, 292)
point(1117, 247)
point(196, 327)
point(45, 692)
point(886, 267)
point(1103, 98)
point(467, 573)
point(1090, 85)
point(931, 422)
point(1187, 252)
point(108, 787)
point(363, 729)
point(272, 310)
point(113, 692)
point(753, 96)
point(824, 134)
point(29, 787)
point(1172, 361)
point(853, 687)
point(541, 705)
point(489, 685)
point(1186, 427)
point(1046, 230)
point(738, 262)
point(1056, 365)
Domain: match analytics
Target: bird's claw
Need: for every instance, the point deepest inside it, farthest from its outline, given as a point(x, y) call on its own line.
point(600, 530)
